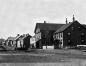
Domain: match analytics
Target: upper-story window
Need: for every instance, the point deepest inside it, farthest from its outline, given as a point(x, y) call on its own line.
point(72, 28)
point(82, 34)
point(68, 41)
point(68, 33)
point(82, 41)
point(61, 34)
point(56, 35)
point(79, 27)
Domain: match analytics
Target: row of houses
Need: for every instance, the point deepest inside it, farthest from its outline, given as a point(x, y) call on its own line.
point(20, 42)
point(50, 35)
point(70, 34)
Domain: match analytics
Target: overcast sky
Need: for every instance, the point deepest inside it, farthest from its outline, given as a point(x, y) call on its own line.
point(20, 16)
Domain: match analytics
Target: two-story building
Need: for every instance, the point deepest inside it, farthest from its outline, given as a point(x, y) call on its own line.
point(60, 35)
point(70, 35)
point(44, 34)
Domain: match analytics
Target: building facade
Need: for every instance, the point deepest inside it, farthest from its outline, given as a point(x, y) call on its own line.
point(23, 42)
point(44, 34)
point(70, 34)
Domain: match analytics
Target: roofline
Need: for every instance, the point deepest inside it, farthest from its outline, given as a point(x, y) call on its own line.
point(46, 23)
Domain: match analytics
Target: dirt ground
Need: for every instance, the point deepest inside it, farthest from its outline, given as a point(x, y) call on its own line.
point(44, 58)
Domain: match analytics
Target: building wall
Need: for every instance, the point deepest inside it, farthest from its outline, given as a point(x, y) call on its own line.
point(27, 42)
point(72, 35)
point(47, 38)
point(58, 38)
point(44, 38)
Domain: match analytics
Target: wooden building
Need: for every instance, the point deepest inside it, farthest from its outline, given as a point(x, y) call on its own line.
point(10, 43)
point(33, 42)
point(44, 34)
point(60, 35)
point(70, 35)
point(23, 42)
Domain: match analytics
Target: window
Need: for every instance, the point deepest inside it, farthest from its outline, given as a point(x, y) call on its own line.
point(61, 34)
point(82, 41)
point(68, 33)
point(82, 34)
point(79, 27)
point(68, 41)
point(72, 28)
point(44, 36)
point(61, 40)
point(56, 36)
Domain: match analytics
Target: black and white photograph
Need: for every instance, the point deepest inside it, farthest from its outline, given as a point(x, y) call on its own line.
point(42, 33)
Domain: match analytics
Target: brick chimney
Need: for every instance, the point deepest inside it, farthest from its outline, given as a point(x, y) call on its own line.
point(73, 18)
point(66, 21)
point(44, 21)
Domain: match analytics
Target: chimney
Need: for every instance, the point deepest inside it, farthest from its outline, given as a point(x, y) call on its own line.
point(44, 21)
point(66, 21)
point(18, 34)
point(73, 18)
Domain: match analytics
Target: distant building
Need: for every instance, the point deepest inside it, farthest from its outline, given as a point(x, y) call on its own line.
point(33, 42)
point(10, 43)
point(2, 41)
point(71, 35)
point(23, 42)
point(60, 35)
point(44, 34)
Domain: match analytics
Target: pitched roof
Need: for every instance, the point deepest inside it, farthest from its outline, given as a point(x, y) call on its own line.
point(2, 40)
point(17, 37)
point(84, 25)
point(24, 36)
point(11, 38)
point(63, 27)
point(48, 26)
point(66, 26)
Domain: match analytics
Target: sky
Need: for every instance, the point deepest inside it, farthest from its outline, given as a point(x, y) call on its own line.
point(21, 16)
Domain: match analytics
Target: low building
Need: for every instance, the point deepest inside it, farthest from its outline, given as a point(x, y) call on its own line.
point(23, 42)
point(10, 43)
point(33, 42)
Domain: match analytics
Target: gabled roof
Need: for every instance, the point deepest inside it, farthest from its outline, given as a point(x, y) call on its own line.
point(2, 40)
point(11, 38)
point(63, 27)
point(66, 26)
point(24, 36)
point(47, 26)
point(84, 25)
point(17, 37)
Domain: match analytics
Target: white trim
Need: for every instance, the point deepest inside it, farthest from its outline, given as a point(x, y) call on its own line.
point(62, 40)
point(81, 45)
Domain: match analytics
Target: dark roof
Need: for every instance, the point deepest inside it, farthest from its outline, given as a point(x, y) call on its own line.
point(2, 40)
point(66, 26)
point(48, 26)
point(63, 27)
point(11, 38)
point(24, 36)
point(84, 25)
